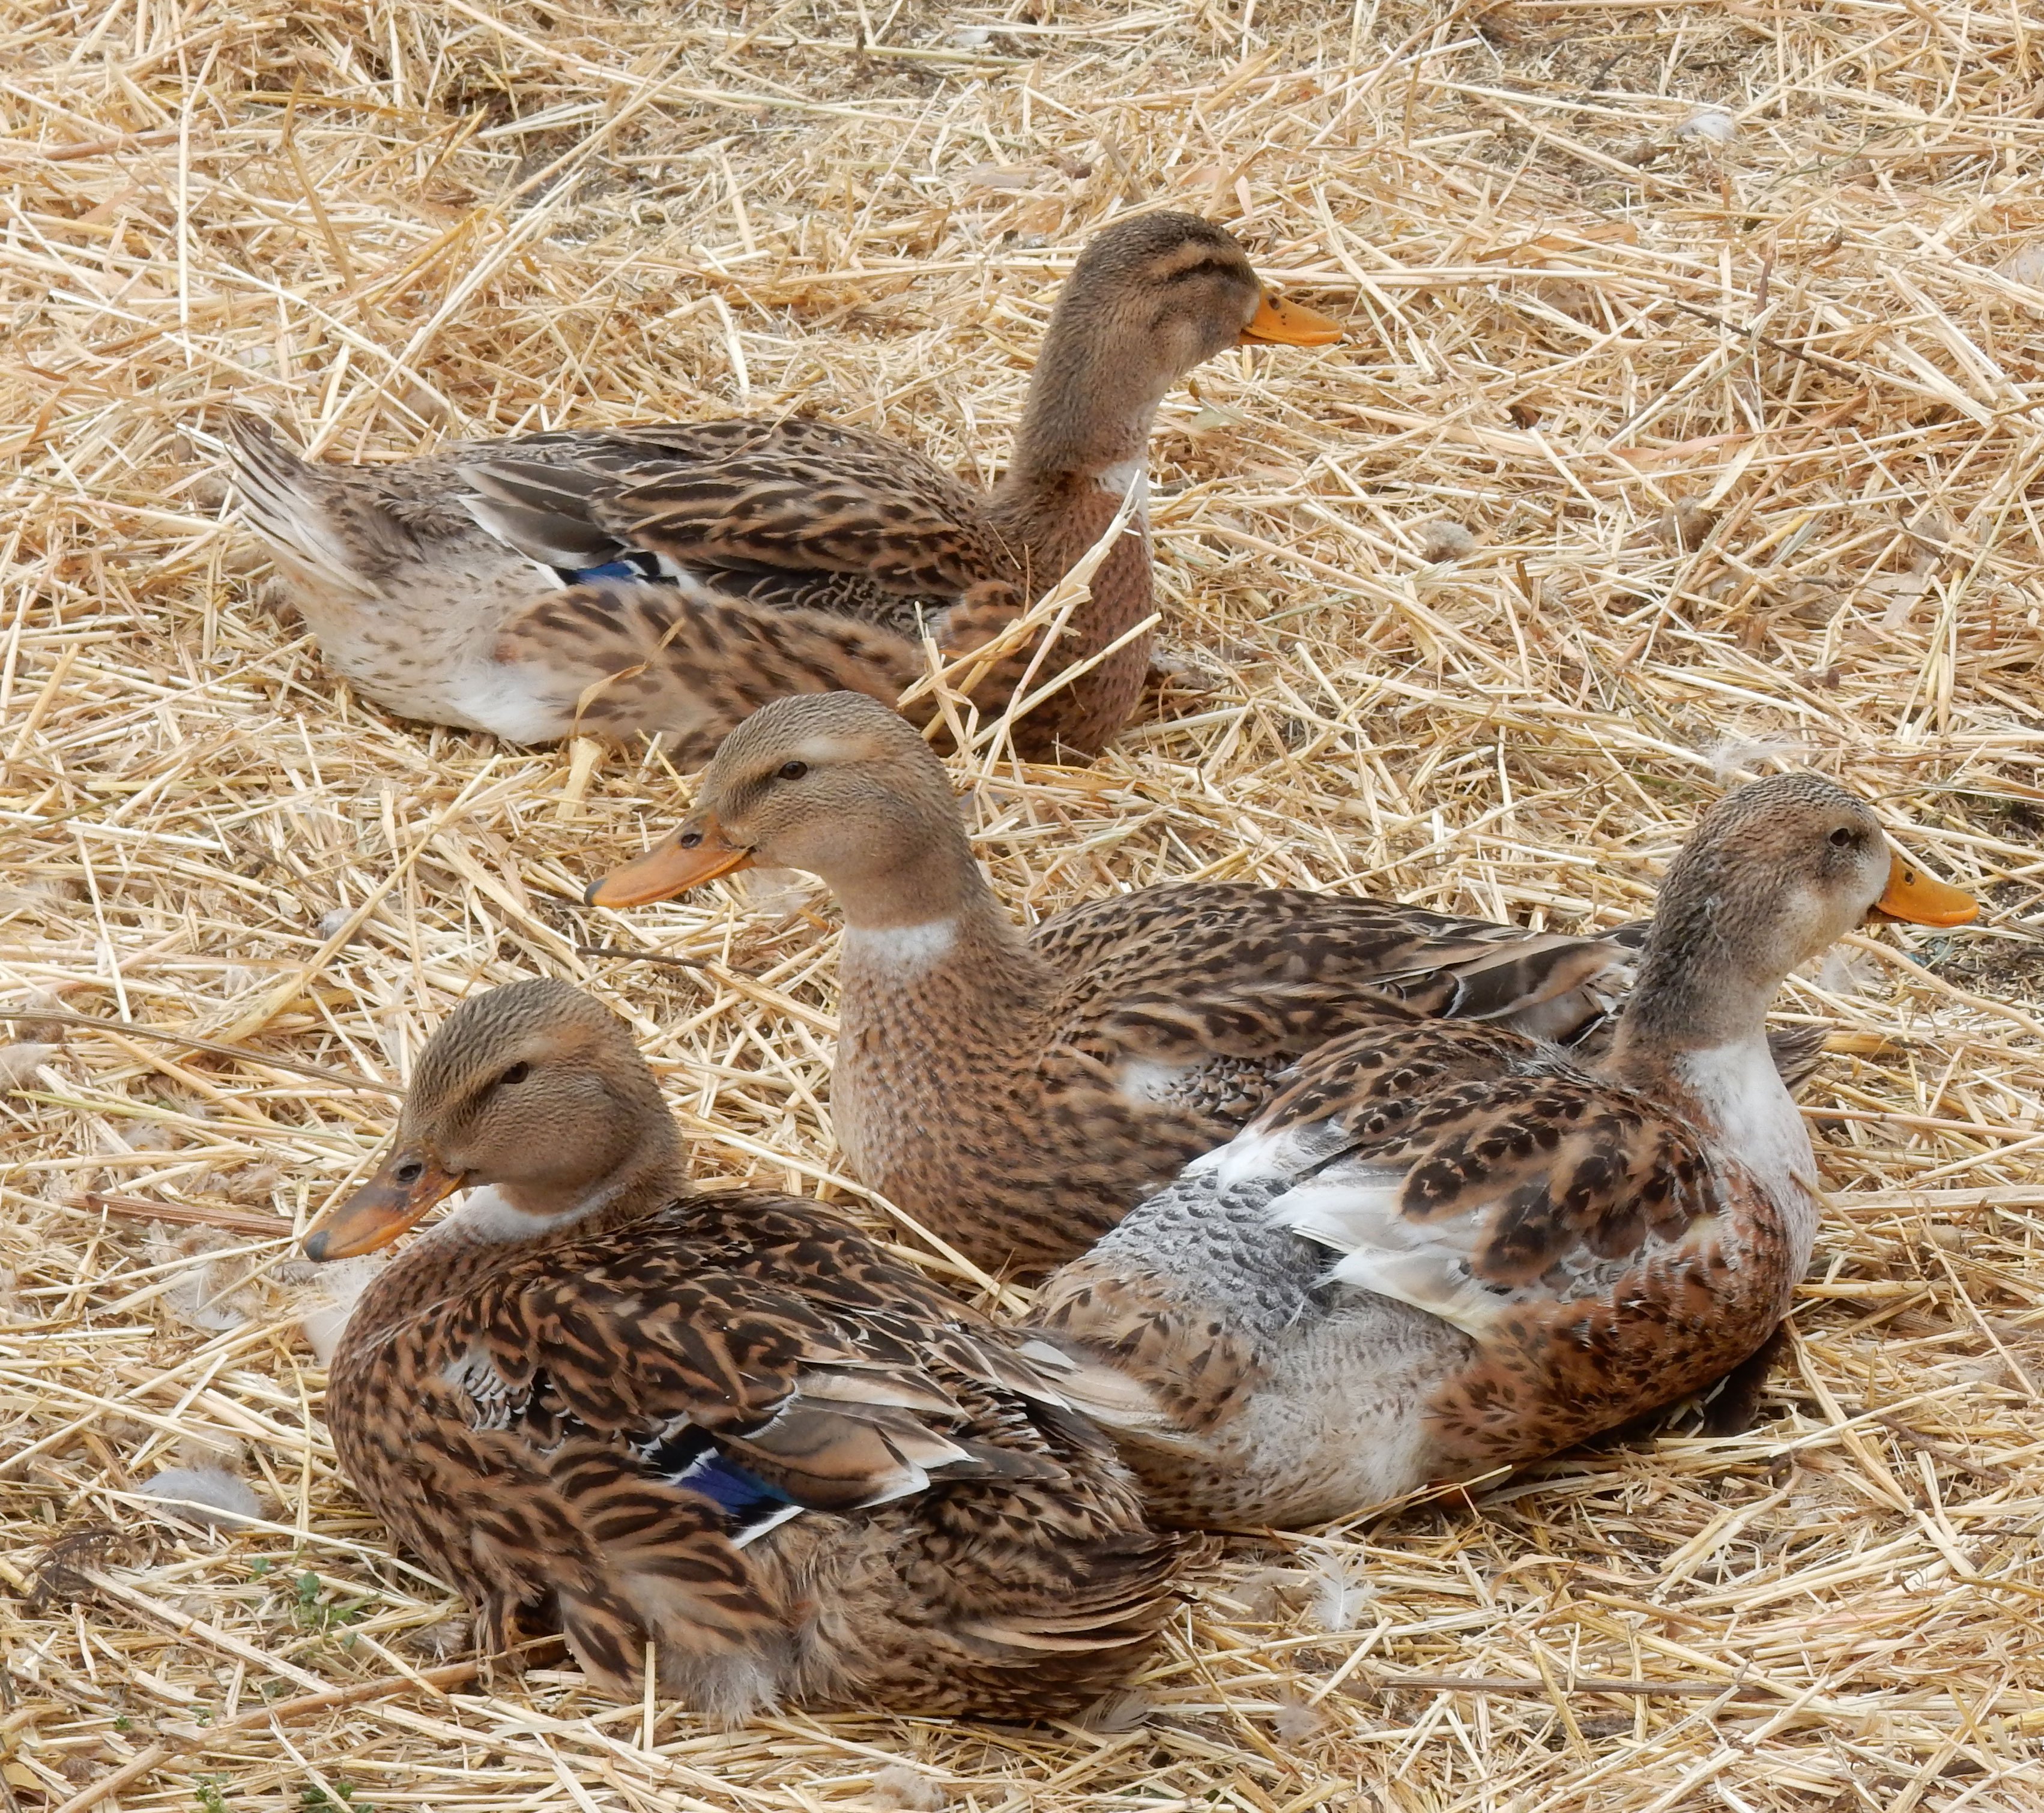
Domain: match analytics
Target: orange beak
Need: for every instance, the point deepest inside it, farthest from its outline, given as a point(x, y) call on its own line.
point(697, 853)
point(1922, 899)
point(397, 1197)
point(1289, 324)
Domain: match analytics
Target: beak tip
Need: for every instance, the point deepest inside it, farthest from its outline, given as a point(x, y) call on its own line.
point(313, 1246)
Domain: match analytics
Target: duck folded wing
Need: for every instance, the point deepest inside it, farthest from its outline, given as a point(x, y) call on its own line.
point(833, 1413)
point(1256, 972)
point(1202, 999)
point(791, 497)
point(1487, 1186)
point(902, 1320)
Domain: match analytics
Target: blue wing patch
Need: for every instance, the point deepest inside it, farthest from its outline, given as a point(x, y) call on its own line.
point(636, 565)
point(751, 1505)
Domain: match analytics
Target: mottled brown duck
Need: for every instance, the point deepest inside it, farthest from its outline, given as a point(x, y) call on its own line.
point(718, 1425)
point(664, 581)
point(1018, 1093)
point(1525, 1252)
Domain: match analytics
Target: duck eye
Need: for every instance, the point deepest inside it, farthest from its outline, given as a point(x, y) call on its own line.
point(793, 770)
point(517, 1073)
point(410, 1172)
point(1842, 838)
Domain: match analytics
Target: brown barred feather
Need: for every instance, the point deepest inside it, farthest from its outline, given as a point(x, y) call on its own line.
point(497, 1408)
point(428, 583)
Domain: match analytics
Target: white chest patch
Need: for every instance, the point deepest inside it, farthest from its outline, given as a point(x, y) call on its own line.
point(1129, 478)
point(485, 1215)
point(903, 946)
point(1739, 1088)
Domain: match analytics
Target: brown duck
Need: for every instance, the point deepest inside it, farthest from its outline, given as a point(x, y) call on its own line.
point(1447, 1248)
point(667, 580)
point(1018, 1093)
point(721, 1425)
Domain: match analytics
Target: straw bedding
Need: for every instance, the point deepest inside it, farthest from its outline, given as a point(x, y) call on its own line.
point(1690, 423)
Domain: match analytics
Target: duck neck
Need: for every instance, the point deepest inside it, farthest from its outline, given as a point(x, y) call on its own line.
point(931, 925)
point(1082, 451)
point(1091, 400)
point(1693, 994)
point(937, 1015)
point(1694, 1035)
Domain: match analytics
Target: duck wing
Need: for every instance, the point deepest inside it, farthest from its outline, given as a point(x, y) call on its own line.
point(687, 664)
point(800, 513)
point(789, 557)
point(834, 1379)
point(1604, 1259)
point(1202, 996)
point(1158, 1362)
point(621, 1417)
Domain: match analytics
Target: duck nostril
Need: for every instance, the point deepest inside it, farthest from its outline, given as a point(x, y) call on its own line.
point(410, 1172)
point(690, 840)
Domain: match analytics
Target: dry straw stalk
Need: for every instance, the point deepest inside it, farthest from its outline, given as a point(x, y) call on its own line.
point(1691, 421)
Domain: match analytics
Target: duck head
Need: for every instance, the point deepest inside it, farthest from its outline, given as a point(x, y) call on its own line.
point(1774, 875)
point(834, 783)
point(534, 1089)
point(1185, 284)
point(1150, 298)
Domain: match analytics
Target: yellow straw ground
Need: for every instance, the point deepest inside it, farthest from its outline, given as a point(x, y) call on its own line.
point(1691, 422)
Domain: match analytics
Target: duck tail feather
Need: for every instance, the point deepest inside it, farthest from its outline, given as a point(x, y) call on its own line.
point(288, 500)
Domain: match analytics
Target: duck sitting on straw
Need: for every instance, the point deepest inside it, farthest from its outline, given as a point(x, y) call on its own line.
point(718, 1428)
point(1017, 1092)
point(1525, 1252)
point(667, 580)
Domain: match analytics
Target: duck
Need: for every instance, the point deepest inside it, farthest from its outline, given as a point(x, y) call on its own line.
point(1447, 1248)
point(1017, 1092)
point(717, 1426)
point(664, 581)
